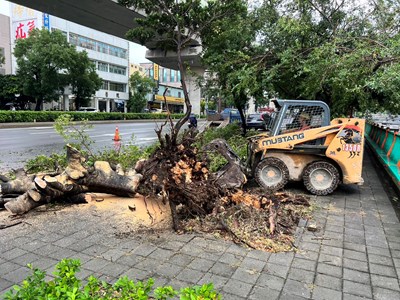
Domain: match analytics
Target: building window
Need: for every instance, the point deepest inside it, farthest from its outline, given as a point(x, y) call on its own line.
point(102, 66)
point(179, 76)
point(165, 75)
point(101, 47)
point(117, 70)
point(179, 94)
point(104, 85)
point(172, 75)
point(88, 43)
point(118, 87)
point(73, 39)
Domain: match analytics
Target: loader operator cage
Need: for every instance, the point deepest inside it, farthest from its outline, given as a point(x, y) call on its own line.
point(290, 112)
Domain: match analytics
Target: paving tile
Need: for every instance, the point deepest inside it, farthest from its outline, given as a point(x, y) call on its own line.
point(239, 250)
point(357, 289)
point(25, 259)
point(112, 254)
point(327, 281)
point(201, 264)
point(329, 270)
point(248, 276)
point(181, 259)
point(172, 245)
point(5, 284)
point(355, 255)
point(258, 254)
point(95, 264)
point(252, 264)
point(335, 251)
point(330, 260)
point(323, 293)
point(309, 255)
point(144, 249)
point(355, 247)
point(190, 275)
point(162, 254)
point(218, 281)
point(231, 259)
point(96, 250)
point(356, 276)
point(7, 267)
point(17, 275)
point(355, 265)
point(380, 259)
point(114, 270)
point(289, 296)
point(259, 293)
point(382, 270)
point(65, 242)
point(385, 282)
point(304, 264)
point(353, 297)
point(307, 246)
point(129, 259)
point(137, 274)
point(297, 288)
point(271, 282)
point(222, 269)
point(276, 270)
point(385, 294)
point(238, 288)
point(231, 296)
point(168, 270)
point(284, 258)
point(378, 251)
point(148, 264)
point(63, 253)
point(13, 253)
point(301, 275)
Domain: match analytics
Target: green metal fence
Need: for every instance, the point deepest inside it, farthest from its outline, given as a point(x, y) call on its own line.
point(386, 145)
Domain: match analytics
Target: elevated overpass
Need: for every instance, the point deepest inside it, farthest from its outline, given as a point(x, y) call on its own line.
point(110, 17)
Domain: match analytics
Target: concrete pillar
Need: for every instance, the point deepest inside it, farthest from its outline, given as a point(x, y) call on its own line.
point(66, 102)
point(108, 105)
point(193, 90)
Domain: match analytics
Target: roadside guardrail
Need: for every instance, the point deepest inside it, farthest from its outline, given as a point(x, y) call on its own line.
point(385, 143)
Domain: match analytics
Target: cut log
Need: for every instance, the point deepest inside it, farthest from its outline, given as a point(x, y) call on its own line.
point(22, 204)
point(19, 185)
point(69, 186)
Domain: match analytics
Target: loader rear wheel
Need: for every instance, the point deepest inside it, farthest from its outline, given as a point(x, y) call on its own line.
point(321, 178)
point(271, 173)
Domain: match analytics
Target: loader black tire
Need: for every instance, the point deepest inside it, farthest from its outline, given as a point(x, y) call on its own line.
point(321, 178)
point(271, 173)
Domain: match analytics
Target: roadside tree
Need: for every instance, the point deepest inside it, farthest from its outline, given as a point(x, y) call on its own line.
point(47, 63)
point(83, 78)
point(140, 87)
point(175, 26)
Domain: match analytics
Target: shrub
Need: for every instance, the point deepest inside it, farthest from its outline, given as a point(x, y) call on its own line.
point(66, 285)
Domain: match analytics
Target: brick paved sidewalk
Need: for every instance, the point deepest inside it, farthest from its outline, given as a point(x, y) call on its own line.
point(355, 254)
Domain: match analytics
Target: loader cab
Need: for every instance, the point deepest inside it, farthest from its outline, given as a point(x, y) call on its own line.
point(290, 115)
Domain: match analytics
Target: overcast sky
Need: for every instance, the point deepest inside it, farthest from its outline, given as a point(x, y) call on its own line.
point(137, 52)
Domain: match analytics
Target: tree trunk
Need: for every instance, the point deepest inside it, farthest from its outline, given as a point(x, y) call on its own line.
point(69, 185)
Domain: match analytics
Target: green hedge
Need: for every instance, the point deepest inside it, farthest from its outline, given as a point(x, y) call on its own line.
point(7, 116)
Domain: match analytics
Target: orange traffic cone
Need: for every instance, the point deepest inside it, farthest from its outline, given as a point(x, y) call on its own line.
point(116, 135)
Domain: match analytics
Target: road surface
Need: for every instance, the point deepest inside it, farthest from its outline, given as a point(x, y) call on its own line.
point(17, 145)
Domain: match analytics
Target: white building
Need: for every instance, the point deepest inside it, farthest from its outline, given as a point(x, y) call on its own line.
point(109, 53)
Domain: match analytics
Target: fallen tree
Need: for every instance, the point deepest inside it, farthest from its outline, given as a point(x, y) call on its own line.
point(26, 192)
